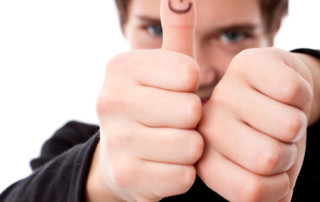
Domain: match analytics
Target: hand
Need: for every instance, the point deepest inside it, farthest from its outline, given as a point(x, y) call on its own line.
point(254, 127)
point(148, 113)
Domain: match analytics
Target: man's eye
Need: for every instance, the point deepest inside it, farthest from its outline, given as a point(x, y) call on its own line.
point(155, 31)
point(232, 37)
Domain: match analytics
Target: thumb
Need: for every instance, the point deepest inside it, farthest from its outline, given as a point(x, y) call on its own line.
point(178, 24)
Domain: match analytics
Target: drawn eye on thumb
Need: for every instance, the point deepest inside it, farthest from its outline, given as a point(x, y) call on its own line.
point(186, 4)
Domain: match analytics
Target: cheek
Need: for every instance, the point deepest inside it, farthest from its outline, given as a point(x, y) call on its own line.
point(224, 64)
point(134, 39)
point(222, 60)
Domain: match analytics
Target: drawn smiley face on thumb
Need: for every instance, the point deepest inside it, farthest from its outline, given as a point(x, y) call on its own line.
point(178, 24)
point(185, 4)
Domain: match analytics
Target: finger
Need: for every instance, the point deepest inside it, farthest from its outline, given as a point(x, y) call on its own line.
point(166, 145)
point(178, 24)
point(294, 171)
point(154, 68)
point(164, 179)
point(274, 78)
point(271, 117)
point(263, 154)
point(235, 183)
point(160, 108)
point(151, 107)
point(286, 85)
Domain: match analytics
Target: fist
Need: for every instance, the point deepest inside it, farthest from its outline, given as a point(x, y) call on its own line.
point(254, 127)
point(148, 113)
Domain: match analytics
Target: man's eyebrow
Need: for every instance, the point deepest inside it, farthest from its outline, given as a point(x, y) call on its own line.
point(247, 27)
point(239, 27)
point(148, 19)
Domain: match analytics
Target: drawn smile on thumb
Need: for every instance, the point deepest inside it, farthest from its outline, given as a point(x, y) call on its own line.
point(178, 25)
point(178, 10)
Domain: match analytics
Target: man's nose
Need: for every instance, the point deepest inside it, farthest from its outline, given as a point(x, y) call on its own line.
point(205, 59)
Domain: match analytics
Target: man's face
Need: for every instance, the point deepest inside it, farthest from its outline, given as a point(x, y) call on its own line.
point(223, 29)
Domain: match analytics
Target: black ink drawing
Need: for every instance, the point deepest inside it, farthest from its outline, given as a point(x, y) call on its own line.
point(179, 11)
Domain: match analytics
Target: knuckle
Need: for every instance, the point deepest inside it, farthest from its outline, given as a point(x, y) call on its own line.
point(123, 173)
point(188, 176)
point(252, 191)
point(102, 104)
point(269, 160)
point(222, 96)
point(196, 146)
point(294, 126)
point(189, 75)
point(194, 110)
point(116, 140)
point(240, 63)
point(212, 126)
point(290, 87)
point(117, 62)
point(107, 103)
point(206, 129)
point(258, 189)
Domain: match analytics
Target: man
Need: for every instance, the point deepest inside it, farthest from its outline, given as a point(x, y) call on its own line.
point(197, 105)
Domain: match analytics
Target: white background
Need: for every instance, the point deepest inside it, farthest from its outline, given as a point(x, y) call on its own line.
point(52, 60)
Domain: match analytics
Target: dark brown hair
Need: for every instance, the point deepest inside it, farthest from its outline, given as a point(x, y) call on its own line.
point(272, 12)
point(122, 6)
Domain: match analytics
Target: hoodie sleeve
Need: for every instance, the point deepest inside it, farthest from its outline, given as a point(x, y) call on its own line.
point(62, 178)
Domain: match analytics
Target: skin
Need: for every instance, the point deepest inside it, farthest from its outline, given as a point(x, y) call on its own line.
point(213, 52)
point(199, 104)
point(180, 11)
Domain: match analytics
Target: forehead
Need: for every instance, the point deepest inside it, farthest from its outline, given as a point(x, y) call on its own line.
point(150, 8)
point(228, 12)
point(213, 11)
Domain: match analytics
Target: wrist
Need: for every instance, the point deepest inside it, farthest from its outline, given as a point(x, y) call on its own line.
point(96, 189)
